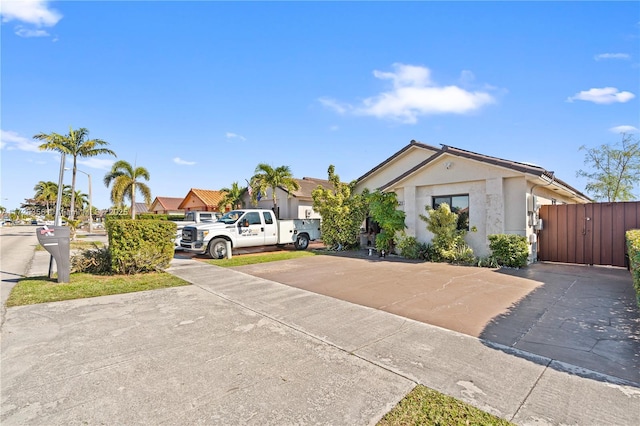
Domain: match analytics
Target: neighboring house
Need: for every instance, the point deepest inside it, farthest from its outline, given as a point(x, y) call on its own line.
point(205, 200)
point(141, 208)
point(295, 205)
point(166, 205)
point(499, 196)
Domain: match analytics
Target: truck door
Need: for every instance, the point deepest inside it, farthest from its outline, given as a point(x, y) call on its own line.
point(270, 229)
point(250, 230)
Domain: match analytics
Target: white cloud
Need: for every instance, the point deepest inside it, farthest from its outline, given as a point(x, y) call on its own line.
point(27, 33)
point(606, 95)
point(231, 135)
point(35, 12)
point(623, 129)
point(182, 162)
point(97, 163)
point(414, 94)
point(602, 56)
point(11, 140)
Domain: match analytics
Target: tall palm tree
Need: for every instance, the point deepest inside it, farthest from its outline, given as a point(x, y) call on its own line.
point(232, 196)
point(46, 192)
point(266, 177)
point(126, 182)
point(75, 144)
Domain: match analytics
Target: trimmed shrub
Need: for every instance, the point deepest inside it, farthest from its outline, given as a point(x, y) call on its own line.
point(509, 249)
point(141, 245)
point(633, 251)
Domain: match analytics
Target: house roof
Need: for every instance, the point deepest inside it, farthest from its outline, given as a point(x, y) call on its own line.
point(445, 149)
point(208, 197)
point(141, 208)
point(307, 185)
point(168, 203)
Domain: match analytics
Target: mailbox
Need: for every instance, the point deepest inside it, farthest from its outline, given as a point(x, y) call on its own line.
point(55, 240)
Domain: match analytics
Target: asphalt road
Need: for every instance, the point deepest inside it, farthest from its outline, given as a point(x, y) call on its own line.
point(16, 250)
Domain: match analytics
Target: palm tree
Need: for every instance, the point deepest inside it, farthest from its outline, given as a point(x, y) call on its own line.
point(266, 177)
point(232, 196)
point(46, 192)
point(76, 145)
point(126, 181)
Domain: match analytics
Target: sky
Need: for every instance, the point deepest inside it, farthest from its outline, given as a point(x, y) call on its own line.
point(199, 93)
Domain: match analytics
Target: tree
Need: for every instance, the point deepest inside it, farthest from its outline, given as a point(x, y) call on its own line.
point(383, 208)
point(232, 196)
point(617, 170)
point(46, 192)
point(448, 241)
point(75, 144)
point(342, 210)
point(126, 182)
point(266, 177)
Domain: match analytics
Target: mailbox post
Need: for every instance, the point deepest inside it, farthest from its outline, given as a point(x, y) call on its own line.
point(56, 241)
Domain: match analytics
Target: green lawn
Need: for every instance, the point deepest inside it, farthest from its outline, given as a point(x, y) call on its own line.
point(250, 259)
point(424, 406)
point(34, 290)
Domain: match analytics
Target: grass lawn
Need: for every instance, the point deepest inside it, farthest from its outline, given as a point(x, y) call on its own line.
point(424, 406)
point(250, 259)
point(34, 290)
point(78, 245)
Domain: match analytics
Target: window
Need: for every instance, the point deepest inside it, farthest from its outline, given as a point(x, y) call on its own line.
point(459, 204)
point(268, 219)
point(253, 218)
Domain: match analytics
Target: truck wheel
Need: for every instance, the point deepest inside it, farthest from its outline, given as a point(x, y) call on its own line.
point(302, 242)
point(218, 248)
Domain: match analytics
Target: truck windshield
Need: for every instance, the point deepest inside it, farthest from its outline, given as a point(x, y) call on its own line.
point(231, 217)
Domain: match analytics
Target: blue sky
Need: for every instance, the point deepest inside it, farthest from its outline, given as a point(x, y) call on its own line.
point(201, 92)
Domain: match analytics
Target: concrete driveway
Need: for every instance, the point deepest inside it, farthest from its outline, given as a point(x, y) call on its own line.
point(581, 315)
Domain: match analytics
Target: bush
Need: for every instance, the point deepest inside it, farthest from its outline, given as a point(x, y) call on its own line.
point(140, 245)
point(448, 241)
point(509, 249)
point(411, 248)
point(633, 251)
point(92, 261)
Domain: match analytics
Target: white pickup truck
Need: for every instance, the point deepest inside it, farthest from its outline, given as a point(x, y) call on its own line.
point(192, 218)
point(248, 228)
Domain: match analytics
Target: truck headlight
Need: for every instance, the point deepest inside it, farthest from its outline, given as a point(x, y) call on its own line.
point(202, 234)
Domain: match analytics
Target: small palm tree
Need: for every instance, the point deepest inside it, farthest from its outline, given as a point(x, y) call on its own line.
point(47, 193)
point(75, 144)
point(232, 196)
point(266, 177)
point(126, 182)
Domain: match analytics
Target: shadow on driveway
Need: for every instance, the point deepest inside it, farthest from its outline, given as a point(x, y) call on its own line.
point(581, 315)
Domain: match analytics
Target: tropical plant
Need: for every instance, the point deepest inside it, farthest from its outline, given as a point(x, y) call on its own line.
point(448, 242)
point(266, 177)
point(75, 144)
point(617, 170)
point(342, 211)
point(232, 196)
point(126, 182)
point(383, 208)
point(47, 193)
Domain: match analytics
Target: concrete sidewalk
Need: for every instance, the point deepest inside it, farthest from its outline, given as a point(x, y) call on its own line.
point(235, 349)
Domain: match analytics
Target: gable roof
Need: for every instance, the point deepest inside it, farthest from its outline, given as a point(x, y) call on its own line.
point(307, 185)
point(168, 203)
point(500, 162)
point(207, 197)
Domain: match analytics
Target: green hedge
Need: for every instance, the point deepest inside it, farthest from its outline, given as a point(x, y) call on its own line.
point(509, 249)
point(633, 251)
point(141, 245)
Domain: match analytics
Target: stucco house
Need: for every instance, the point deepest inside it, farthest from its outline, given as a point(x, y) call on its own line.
point(205, 200)
point(293, 205)
point(500, 196)
point(166, 205)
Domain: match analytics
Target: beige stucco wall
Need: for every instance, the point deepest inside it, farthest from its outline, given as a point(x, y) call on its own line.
point(399, 165)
